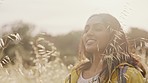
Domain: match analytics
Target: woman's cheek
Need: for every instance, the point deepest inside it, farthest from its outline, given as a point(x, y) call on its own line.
point(104, 39)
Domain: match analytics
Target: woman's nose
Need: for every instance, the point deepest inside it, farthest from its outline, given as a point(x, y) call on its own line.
point(90, 32)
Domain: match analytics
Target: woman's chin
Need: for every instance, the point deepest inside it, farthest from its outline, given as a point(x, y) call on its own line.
point(90, 49)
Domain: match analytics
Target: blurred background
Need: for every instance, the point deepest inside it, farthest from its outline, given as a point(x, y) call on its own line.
point(39, 39)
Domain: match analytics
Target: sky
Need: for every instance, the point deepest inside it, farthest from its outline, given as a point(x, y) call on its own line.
point(62, 16)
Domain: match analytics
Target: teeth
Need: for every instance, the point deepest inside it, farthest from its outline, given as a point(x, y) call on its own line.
point(90, 41)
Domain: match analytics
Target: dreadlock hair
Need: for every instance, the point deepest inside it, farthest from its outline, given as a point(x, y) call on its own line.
point(116, 51)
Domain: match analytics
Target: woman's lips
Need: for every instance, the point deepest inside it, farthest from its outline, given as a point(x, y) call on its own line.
point(90, 41)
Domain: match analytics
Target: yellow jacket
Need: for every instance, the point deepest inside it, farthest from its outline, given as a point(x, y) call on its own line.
point(132, 75)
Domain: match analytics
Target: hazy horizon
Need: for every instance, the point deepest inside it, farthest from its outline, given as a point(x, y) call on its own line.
point(58, 17)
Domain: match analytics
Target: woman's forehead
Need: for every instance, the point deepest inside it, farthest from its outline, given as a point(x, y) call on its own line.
point(95, 25)
point(94, 20)
point(104, 19)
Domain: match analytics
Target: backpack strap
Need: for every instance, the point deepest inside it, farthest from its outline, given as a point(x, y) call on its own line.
point(122, 71)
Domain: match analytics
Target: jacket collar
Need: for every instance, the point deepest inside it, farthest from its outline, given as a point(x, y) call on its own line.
point(75, 73)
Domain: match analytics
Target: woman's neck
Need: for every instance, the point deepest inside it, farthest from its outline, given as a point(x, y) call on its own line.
point(95, 68)
point(96, 62)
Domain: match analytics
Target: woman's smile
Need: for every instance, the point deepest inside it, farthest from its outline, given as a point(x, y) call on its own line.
point(90, 41)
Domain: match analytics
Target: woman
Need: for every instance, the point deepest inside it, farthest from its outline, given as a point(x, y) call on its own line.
point(104, 55)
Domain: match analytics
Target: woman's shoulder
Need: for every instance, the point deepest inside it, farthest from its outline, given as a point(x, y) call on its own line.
point(134, 76)
point(73, 74)
point(130, 73)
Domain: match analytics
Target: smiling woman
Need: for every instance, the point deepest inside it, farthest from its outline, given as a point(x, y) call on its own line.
point(104, 55)
point(100, 35)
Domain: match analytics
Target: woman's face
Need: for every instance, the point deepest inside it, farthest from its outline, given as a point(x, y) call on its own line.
point(95, 37)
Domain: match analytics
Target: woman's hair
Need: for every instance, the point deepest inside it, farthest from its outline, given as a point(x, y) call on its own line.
point(116, 51)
